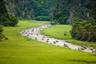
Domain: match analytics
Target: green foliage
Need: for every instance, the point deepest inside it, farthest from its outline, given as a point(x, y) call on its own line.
point(62, 20)
point(30, 9)
point(42, 18)
point(3, 10)
point(60, 12)
point(84, 29)
point(92, 8)
point(1, 35)
point(1, 29)
point(85, 26)
point(12, 21)
point(53, 23)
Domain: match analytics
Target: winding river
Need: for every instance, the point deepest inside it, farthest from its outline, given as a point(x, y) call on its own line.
point(35, 34)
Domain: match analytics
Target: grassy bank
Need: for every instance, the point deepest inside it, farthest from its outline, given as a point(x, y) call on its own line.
point(63, 32)
point(21, 50)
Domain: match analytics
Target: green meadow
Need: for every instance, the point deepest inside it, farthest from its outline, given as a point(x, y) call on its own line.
point(22, 50)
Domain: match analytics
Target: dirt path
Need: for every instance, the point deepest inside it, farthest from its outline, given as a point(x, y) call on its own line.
point(34, 33)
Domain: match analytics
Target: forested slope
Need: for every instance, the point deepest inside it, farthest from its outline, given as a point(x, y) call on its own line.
point(31, 9)
point(82, 15)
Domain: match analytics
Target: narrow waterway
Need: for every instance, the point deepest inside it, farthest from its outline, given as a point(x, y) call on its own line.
point(34, 33)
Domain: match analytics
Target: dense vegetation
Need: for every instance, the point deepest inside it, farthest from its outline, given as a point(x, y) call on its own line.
point(34, 9)
point(65, 10)
point(60, 12)
point(7, 17)
point(1, 35)
point(82, 15)
point(7, 13)
point(12, 21)
point(85, 29)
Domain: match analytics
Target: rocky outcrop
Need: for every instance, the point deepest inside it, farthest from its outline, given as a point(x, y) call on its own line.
point(7, 8)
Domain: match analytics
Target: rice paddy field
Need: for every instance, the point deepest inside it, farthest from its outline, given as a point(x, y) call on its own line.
point(22, 50)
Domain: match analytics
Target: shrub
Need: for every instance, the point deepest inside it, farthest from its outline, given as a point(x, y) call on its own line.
point(42, 18)
point(84, 29)
point(12, 21)
point(53, 23)
point(1, 35)
point(63, 20)
point(3, 21)
point(1, 30)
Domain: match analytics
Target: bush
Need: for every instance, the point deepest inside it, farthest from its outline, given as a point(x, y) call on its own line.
point(63, 20)
point(53, 23)
point(1, 35)
point(1, 30)
point(12, 21)
point(84, 29)
point(42, 18)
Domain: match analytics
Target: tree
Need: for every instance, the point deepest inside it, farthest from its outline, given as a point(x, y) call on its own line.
point(7, 12)
point(3, 10)
point(1, 35)
point(6, 15)
point(60, 11)
point(84, 26)
point(92, 8)
point(33, 9)
point(82, 15)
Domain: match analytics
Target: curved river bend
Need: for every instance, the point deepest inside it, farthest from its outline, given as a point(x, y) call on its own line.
point(34, 33)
